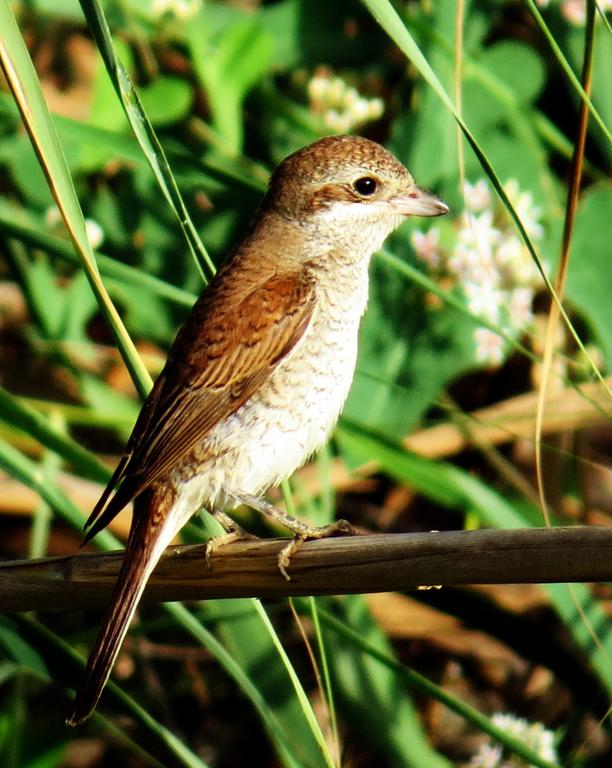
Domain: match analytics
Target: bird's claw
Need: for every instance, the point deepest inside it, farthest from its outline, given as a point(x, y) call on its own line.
point(233, 533)
point(339, 528)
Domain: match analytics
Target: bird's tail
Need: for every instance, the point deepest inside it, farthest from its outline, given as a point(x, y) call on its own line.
point(150, 533)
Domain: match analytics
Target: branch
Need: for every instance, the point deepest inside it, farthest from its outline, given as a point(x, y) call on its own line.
point(354, 564)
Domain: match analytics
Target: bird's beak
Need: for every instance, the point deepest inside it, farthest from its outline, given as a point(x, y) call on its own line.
point(417, 202)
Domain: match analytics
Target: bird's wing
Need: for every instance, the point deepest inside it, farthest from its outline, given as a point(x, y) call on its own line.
point(218, 360)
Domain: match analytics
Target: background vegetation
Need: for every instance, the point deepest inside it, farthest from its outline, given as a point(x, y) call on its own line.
point(439, 431)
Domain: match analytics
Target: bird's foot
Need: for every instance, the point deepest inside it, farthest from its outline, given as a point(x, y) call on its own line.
point(233, 532)
point(306, 533)
point(302, 532)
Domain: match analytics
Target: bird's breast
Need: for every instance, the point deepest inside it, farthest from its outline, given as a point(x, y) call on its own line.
point(293, 412)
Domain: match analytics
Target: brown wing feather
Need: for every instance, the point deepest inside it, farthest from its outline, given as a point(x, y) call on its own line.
point(224, 352)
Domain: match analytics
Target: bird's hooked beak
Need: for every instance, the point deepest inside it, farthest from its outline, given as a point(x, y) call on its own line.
point(418, 203)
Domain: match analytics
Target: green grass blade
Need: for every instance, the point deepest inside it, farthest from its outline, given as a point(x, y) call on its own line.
point(297, 686)
point(22, 79)
point(388, 18)
point(30, 474)
point(371, 696)
point(451, 299)
point(24, 417)
point(221, 171)
point(424, 686)
point(453, 487)
point(567, 69)
point(275, 728)
point(49, 645)
point(443, 483)
point(588, 621)
point(33, 235)
point(325, 671)
point(144, 132)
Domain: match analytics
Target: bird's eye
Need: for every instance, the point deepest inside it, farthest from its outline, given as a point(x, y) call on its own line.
point(365, 186)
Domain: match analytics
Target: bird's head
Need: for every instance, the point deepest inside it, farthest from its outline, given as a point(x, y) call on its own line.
point(348, 187)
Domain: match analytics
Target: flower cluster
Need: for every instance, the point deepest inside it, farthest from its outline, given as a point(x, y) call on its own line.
point(95, 233)
point(490, 263)
point(181, 9)
point(341, 106)
point(533, 735)
point(574, 11)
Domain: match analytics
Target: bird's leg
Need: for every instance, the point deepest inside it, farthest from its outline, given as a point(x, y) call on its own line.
point(302, 532)
point(233, 532)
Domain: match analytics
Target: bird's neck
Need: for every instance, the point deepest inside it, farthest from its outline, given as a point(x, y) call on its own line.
point(337, 258)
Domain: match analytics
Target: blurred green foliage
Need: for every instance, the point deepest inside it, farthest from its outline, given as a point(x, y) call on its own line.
point(226, 89)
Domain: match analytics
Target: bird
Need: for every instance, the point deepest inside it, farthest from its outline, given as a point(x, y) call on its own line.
point(258, 373)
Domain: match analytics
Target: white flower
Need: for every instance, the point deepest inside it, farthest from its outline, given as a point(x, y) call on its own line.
point(484, 300)
point(463, 261)
point(376, 108)
point(479, 233)
point(182, 9)
point(533, 735)
point(477, 196)
point(337, 121)
point(350, 98)
point(485, 271)
point(574, 11)
point(341, 107)
point(489, 346)
point(52, 216)
point(317, 88)
point(95, 233)
point(360, 110)
point(523, 204)
point(519, 308)
point(509, 250)
point(336, 90)
point(426, 245)
point(488, 756)
point(526, 273)
point(490, 263)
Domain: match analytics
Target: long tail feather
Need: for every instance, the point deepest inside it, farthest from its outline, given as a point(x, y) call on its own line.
point(151, 531)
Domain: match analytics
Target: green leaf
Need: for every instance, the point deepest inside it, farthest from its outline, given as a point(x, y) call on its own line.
point(166, 100)
point(26, 173)
point(407, 354)
point(585, 622)
point(15, 223)
point(587, 284)
point(424, 686)
point(507, 58)
point(44, 295)
point(438, 481)
point(32, 475)
point(78, 305)
point(19, 650)
point(250, 687)
point(106, 113)
point(144, 131)
point(20, 415)
point(372, 697)
point(25, 86)
point(228, 65)
point(50, 757)
point(63, 662)
point(427, 140)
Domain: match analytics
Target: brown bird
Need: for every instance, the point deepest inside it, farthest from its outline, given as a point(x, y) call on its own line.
point(258, 373)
